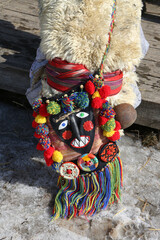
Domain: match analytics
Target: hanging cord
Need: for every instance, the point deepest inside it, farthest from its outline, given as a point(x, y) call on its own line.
point(109, 39)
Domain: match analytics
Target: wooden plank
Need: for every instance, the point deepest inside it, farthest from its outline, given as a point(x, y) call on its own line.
point(149, 85)
point(19, 31)
point(149, 114)
point(27, 8)
point(18, 84)
point(149, 67)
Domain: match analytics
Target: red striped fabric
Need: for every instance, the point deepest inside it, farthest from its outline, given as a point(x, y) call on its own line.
point(62, 76)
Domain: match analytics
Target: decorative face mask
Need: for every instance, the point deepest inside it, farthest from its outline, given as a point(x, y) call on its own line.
point(77, 129)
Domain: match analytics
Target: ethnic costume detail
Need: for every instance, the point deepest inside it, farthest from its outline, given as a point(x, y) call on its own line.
point(89, 194)
point(78, 121)
point(94, 180)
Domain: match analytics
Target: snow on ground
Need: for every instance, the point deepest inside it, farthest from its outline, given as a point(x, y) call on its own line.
point(28, 187)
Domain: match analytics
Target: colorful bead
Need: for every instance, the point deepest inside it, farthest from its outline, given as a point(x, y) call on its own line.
point(53, 108)
point(98, 83)
point(109, 126)
point(82, 100)
point(36, 104)
point(107, 111)
point(87, 162)
point(45, 142)
point(42, 129)
point(108, 151)
point(67, 104)
point(69, 170)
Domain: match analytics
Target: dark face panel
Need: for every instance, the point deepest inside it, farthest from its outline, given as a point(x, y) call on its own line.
point(77, 130)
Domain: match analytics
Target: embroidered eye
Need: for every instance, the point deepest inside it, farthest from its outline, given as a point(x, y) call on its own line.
point(82, 114)
point(63, 125)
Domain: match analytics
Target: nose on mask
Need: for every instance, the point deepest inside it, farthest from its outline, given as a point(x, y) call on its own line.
point(74, 127)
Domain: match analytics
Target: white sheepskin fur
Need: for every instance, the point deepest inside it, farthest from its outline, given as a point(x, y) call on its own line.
point(77, 31)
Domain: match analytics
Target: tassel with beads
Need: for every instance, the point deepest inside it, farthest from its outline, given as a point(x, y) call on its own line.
point(88, 194)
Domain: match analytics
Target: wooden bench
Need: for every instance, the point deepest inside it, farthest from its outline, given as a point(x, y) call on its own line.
point(19, 39)
point(149, 76)
point(19, 31)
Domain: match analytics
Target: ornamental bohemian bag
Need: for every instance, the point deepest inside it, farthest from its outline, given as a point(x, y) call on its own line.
point(74, 117)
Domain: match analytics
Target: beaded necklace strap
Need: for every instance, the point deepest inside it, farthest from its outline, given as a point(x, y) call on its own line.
point(109, 39)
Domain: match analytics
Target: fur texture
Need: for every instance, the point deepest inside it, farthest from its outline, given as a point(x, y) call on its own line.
point(77, 31)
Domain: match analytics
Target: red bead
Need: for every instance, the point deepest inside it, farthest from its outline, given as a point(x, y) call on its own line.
point(105, 91)
point(39, 147)
point(97, 103)
point(115, 137)
point(48, 153)
point(118, 126)
point(89, 87)
point(43, 110)
point(34, 114)
point(102, 120)
point(37, 135)
point(34, 124)
point(49, 161)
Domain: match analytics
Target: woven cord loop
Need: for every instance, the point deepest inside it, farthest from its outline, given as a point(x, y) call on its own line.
point(109, 39)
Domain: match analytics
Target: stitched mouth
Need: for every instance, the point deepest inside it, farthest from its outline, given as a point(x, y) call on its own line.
point(82, 143)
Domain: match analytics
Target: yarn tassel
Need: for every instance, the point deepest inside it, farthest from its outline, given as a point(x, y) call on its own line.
point(89, 193)
point(116, 180)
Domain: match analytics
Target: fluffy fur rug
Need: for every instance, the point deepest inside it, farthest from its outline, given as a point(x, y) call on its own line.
point(77, 31)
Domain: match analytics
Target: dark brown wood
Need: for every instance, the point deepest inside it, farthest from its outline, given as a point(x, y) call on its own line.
point(19, 31)
point(148, 115)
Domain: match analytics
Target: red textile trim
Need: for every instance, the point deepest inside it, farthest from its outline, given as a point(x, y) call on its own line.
point(115, 91)
point(77, 72)
point(116, 76)
point(57, 86)
point(58, 63)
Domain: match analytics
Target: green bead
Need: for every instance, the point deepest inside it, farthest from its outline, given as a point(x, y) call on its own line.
point(53, 108)
point(109, 126)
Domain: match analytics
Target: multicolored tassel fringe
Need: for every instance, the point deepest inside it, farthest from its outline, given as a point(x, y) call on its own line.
point(89, 193)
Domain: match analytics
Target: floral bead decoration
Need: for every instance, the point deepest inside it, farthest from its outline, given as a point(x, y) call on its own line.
point(107, 121)
point(51, 155)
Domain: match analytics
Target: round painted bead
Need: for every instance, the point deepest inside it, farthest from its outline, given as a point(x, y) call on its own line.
point(87, 162)
point(69, 170)
point(108, 151)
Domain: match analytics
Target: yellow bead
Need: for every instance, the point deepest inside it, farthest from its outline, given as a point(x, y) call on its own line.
point(57, 156)
point(108, 134)
point(96, 94)
point(40, 119)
